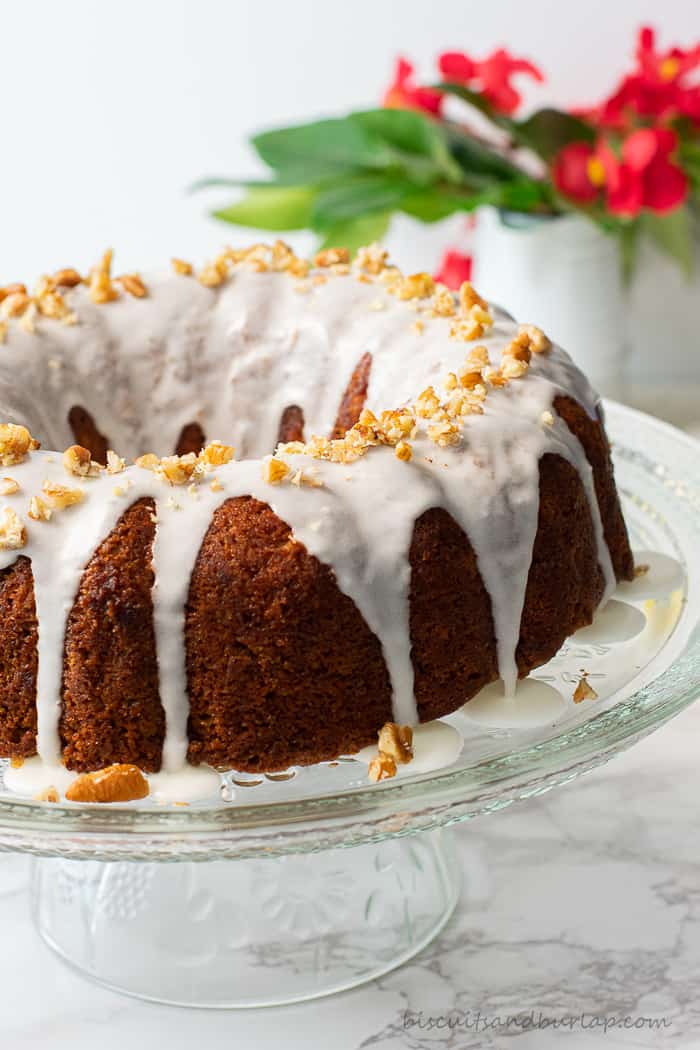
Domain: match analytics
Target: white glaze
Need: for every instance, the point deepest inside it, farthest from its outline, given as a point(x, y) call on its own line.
point(233, 358)
point(665, 575)
point(435, 745)
point(615, 622)
point(533, 704)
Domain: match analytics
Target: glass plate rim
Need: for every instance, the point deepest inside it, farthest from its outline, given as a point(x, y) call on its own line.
point(367, 813)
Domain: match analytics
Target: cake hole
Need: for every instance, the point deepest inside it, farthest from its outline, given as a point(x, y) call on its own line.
point(291, 426)
point(86, 433)
point(353, 400)
point(191, 439)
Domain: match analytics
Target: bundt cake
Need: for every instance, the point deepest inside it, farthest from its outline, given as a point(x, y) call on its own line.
point(421, 500)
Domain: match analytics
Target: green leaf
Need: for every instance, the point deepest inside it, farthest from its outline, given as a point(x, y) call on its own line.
point(272, 208)
point(434, 204)
point(478, 101)
point(357, 195)
point(411, 136)
point(672, 234)
point(549, 130)
point(479, 162)
point(354, 233)
point(324, 147)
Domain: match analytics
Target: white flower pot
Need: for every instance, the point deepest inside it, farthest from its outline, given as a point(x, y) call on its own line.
point(562, 274)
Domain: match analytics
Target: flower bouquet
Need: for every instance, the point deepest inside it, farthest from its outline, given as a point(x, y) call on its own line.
point(630, 163)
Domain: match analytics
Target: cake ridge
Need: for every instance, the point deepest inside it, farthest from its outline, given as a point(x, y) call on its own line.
point(268, 343)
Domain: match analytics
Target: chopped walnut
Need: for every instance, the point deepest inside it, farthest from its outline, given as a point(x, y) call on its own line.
point(15, 304)
point(12, 289)
point(115, 463)
point(215, 485)
point(427, 403)
point(13, 534)
point(469, 297)
point(371, 259)
point(417, 286)
point(8, 486)
point(100, 283)
point(38, 510)
point(397, 742)
point(133, 284)
point(15, 444)
point(176, 470)
point(444, 433)
point(443, 302)
point(404, 451)
point(49, 794)
point(78, 461)
point(181, 267)
point(149, 461)
point(67, 278)
point(537, 340)
point(117, 783)
point(382, 767)
point(512, 368)
point(214, 274)
point(584, 691)
point(60, 497)
point(640, 570)
point(274, 470)
point(332, 257)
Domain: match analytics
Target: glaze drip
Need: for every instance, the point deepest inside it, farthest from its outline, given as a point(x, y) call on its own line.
point(237, 357)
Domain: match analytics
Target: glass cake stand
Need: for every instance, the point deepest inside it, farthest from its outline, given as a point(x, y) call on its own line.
point(300, 914)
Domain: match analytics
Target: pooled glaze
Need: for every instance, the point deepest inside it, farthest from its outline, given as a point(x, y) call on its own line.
point(233, 358)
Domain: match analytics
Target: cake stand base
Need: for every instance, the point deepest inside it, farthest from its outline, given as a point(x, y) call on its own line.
point(248, 933)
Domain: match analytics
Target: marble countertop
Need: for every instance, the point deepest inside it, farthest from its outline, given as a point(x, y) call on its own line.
point(583, 901)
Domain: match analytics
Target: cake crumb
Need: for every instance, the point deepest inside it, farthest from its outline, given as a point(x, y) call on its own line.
point(640, 570)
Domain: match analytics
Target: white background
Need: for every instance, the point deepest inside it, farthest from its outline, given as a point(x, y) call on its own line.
point(109, 111)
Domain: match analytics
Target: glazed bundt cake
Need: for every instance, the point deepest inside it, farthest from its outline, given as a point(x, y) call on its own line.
point(420, 501)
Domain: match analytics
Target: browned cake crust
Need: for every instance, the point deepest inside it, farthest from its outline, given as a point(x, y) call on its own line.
point(591, 434)
point(291, 426)
point(452, 636)
point(191, 439)
point(86, 433)
point(18, 661)
point(281, 666)
point(111, 707)
point(353, 400)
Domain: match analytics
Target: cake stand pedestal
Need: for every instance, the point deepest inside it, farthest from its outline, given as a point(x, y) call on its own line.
point(288, 887)
point(251, 932)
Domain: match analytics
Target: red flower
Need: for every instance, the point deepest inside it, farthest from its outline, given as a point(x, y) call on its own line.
point(642, 177)
point(455, 269)
point(403, 93)
point(491, 77)
point(658, 87)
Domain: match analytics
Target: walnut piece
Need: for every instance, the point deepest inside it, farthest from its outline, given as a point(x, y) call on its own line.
point(13, 534)
point(133, 284)
point(584, 691)
point(59, 496)
point(78, 461)
point(382, 767)
point(15, 444)
point(8, 486)
point(397, 742)
point(274, 470)
point(118, 783)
